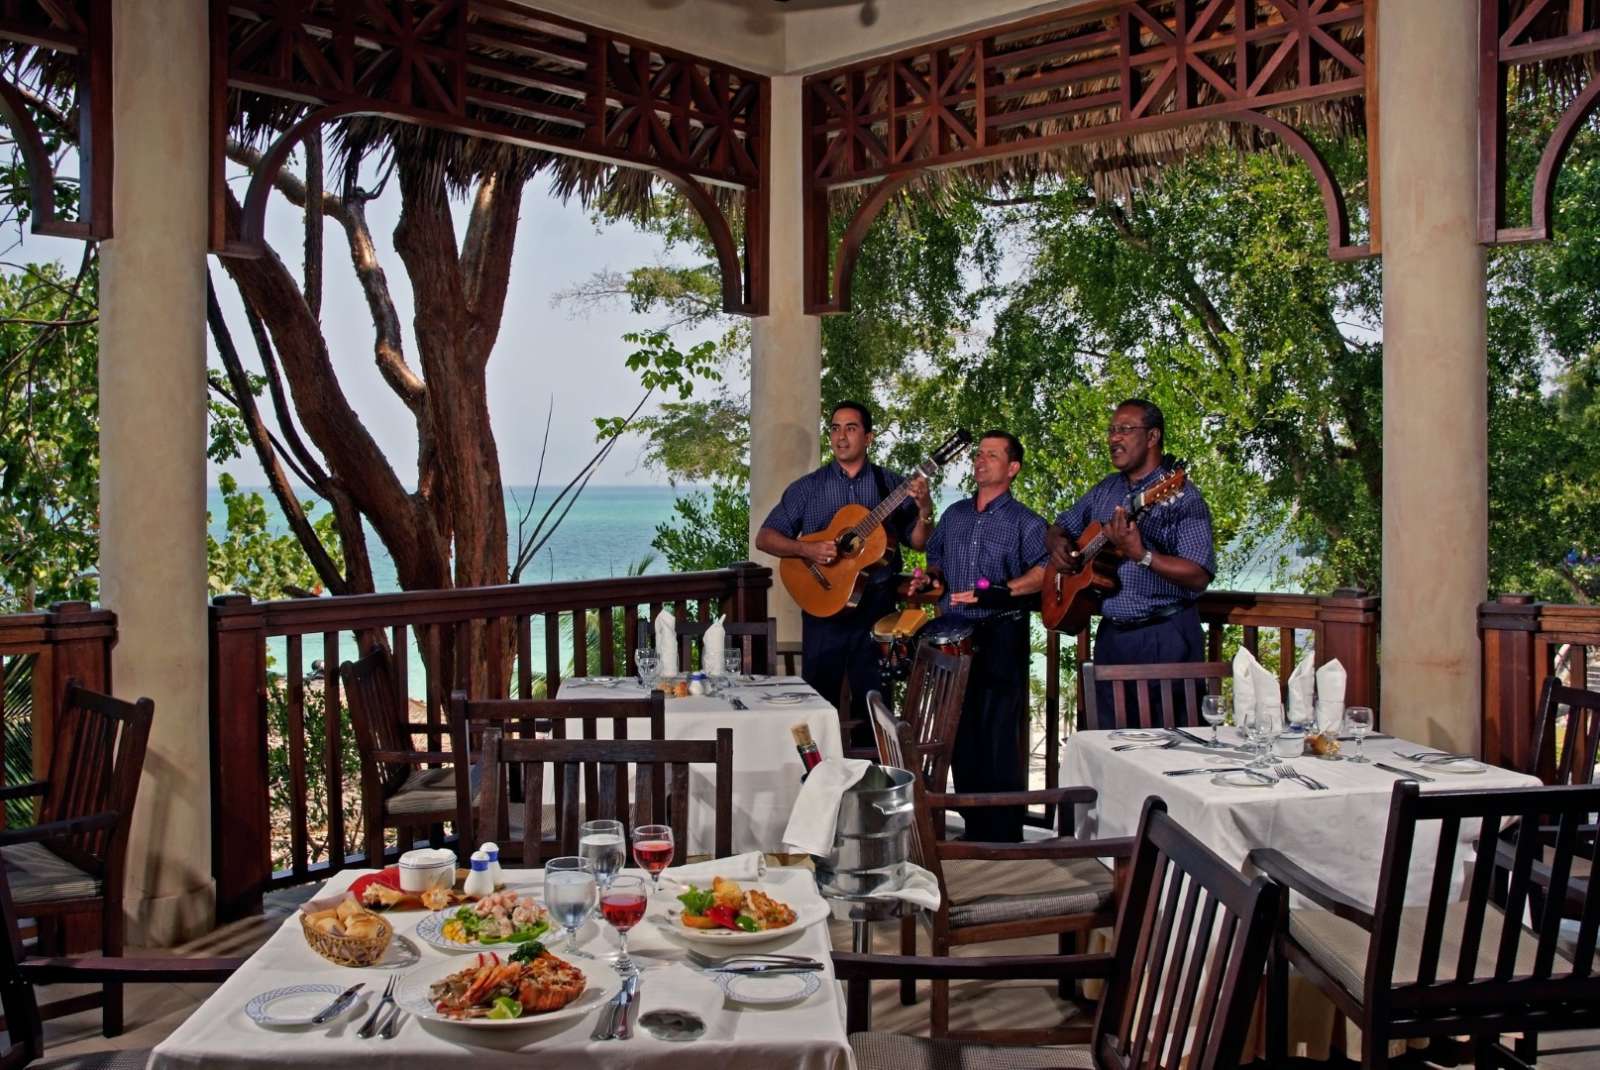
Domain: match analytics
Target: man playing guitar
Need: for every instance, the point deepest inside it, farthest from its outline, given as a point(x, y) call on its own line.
point(990, 551)
point(1168, 559)
point(841, 647)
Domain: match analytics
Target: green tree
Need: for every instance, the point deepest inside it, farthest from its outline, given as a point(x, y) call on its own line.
point(251, 558)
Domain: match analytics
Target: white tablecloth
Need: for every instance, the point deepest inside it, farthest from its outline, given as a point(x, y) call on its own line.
point(766, 769)
point(808, 1035)
point(1337, 835)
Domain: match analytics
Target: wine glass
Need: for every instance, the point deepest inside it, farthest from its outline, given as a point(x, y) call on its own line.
point(652, 849)
point(570, 894)
point(1214, 708)
point(1359, 721)
point(649, 664)
point(1259, 728)
point(622, 904)
point(602, 844)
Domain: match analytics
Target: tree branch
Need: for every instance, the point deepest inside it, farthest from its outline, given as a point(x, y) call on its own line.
point(280, 403)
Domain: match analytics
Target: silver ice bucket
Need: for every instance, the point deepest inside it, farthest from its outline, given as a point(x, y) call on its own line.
point(872, 837)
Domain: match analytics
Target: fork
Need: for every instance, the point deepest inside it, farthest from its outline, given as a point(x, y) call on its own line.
point(1167, 745)
point(702, 959)
point(1438, 757)
point(370, 1026)
point(1288, 772)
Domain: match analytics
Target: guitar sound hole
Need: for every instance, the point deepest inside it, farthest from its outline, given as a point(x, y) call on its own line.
point(849, 545)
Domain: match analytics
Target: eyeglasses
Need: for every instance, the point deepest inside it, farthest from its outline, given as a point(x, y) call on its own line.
point(1125, 429)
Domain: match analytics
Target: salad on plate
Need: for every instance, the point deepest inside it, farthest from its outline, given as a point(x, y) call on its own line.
point(502, 917)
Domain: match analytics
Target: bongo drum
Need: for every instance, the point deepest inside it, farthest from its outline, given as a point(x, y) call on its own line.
point(950, 636)
point(896, 636)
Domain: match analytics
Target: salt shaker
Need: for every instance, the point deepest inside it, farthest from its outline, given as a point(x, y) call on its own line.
point(493, 851)
point(479, 882)
point(697, 683)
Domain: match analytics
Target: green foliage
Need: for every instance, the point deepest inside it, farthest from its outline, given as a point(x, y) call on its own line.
point(281, 788)
point(663, 366)
point(252, 559)
point(707, 531)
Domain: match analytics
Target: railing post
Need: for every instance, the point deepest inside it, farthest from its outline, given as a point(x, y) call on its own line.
point(78, 640)
point(241, 834)
point(750, 585)
point(1348, 621)
point(1507, 627)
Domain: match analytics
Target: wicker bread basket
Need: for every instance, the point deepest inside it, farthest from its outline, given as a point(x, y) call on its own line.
point(348, 950)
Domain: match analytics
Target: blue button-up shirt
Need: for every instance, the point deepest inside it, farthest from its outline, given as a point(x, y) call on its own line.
point(1000, 543)
point(809, 503)
point(1178, 527)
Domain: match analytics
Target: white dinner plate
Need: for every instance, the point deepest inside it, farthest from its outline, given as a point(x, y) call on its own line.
point(1454, 767)
point(668, 912)
point(603, 983)
point(784, 698)
point(430, 930)
point(768, 987)
point(1241, 779)
point(294, 1004)
point(1137, 735)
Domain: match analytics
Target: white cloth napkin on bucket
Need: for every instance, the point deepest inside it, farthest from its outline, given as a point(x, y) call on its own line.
point(1303, 691)
point(667, 642)
point(711, 648)
point(1330, 696)
point(1254, 688)
point(815, 816)
point(750, 866)
point(915, 885)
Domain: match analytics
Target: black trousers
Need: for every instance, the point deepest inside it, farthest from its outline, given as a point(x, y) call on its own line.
point(988, 755)
point(841, 647)
point(1176, 638)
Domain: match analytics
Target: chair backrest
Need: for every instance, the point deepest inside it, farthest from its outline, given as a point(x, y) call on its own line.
point(1524, 975)
point(757, 641)
point(897, 748)
point(1191, 943)
point(932, 707)
point(568, 761)
point(1566, 745)
point(378, 711)
point(1157, 690)
point(96, 761)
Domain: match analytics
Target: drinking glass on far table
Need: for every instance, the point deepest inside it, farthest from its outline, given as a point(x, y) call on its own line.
point(570, 894)
point(649, 664)
point(652, 849)
point(732, 662)
point(1359, 720)
point(1259, 727)
point(622, 904)
point(602, 844)
point(1214, 708)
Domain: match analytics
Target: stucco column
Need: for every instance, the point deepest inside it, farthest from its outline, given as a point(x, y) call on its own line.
point(152, 450)
point(785, 350)
point(1435, 386)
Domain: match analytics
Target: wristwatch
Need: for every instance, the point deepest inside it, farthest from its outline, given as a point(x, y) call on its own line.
point(1147, 558)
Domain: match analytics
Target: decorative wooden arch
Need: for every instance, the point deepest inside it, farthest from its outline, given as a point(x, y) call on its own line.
point(1105, 72)
point(495, 69)
point(76, 32)
point(1527, 33)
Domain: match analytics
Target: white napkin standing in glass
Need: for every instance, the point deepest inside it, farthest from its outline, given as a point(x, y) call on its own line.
point(667, 642)
point(1268, 697)
point(750, 866)
point(1244, 688)
point(1330, 696)
point(815, 815)
point(711, 648)
point(1302, 692)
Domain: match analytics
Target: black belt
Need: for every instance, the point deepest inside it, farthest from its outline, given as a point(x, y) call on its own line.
point(1154, 617)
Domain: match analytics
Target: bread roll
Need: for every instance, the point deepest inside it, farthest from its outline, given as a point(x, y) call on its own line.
point(363, 927)
point(349, 908)
point(328, 925)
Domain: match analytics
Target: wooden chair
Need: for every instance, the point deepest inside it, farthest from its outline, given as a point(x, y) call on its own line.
point(659, 769)
point(1451, 967)
point(1065, 889)
point(559, 719)
point(20, 973)
point(1155, 689)
point(1192, 937)
point(72, 864)
point(401, 787)
point(1566, 746)
point(758, 642)
point(932, 707)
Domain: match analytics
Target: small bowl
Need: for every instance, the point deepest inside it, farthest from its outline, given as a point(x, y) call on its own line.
point(1289, 744)
point(425, 869)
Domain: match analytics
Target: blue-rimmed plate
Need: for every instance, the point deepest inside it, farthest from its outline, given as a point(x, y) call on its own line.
point(293, 1004)
point(430, 930)
point(1139, 735)
point(768, 987)
point(601, 982)
point(1243, 778)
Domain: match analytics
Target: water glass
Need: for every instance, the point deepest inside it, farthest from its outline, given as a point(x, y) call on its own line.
point(732, 661)
point(652, 849)
point(570, 894)
point(622, 904)
point(649, 663)
point(602, 844)
point(1359, 720)
point(1214, 708)
point(1259, 727)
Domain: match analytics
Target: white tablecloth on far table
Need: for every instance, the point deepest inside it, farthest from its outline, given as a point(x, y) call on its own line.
point(766, 769)
point(808, 1035)
point(1336, 835)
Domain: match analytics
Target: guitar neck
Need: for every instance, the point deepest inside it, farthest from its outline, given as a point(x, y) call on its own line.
point(881, 511)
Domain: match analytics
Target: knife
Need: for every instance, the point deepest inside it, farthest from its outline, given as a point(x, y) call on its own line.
point(630, 1010)
point(1409, 774)
point(768, 967)
point(1207, 769)
point(334, 1009)
point(738, 704)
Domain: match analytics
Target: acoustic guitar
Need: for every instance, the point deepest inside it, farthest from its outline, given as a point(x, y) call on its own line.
point(1068, 600)
point(857, 533)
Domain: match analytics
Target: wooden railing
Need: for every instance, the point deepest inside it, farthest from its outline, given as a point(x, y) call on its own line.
point(1524, 643)
point(270, 739)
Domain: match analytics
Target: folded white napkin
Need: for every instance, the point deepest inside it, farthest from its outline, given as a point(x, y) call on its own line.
point(1302, 692)
point(711, 648)
point(816, 811)
point(681, 988)
point(750, 866)
point(667, 642)
point(915, 885)
point(1330, 695)
point(1254, 688)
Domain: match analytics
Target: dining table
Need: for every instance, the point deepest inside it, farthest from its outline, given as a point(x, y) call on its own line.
point(760, 710)
point(741, 1029)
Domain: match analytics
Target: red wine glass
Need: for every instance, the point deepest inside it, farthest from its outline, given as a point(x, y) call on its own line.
point(622, 904)
point(652, 849)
